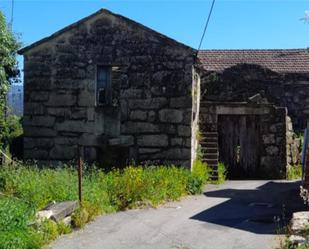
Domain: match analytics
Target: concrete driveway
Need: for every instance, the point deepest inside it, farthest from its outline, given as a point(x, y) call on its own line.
point(237, 214)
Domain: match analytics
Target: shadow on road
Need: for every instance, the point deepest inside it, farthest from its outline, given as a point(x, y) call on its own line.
point(264, 210)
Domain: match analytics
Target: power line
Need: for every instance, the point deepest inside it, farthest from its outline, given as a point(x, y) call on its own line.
point(12, 14)
point(206, 25)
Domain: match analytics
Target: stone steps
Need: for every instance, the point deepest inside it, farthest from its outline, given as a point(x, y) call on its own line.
point(210, 150)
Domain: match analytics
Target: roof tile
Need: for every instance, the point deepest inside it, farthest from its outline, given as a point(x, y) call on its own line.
point(277, 60)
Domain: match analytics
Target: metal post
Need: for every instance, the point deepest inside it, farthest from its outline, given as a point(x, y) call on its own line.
point(80, 173)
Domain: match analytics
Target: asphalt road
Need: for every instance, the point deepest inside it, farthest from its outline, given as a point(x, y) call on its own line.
point(235, 215)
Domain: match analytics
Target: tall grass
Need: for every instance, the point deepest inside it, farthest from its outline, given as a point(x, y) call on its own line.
point(26, 189)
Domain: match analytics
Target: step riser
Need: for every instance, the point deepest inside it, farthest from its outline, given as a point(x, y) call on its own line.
point(211, 157)
point(209, 144)
point(210, 150)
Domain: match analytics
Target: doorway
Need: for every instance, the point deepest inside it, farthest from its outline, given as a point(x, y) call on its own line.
point(239, 143)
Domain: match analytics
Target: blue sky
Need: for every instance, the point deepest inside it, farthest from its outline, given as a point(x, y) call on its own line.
point(235, 24)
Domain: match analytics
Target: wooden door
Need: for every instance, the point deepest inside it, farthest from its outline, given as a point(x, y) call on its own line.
point(239, 142)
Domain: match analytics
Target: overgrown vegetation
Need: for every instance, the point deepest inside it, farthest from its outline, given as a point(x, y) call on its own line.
point(294, 172)
point(8, 72)
point(286, 243)
point(26, 189)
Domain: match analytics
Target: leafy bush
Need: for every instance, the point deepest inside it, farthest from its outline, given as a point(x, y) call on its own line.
point(15, 128)
point(199, 176)
point(8, 72)
point(294, 172)
point(15, 216)
point(201, 171)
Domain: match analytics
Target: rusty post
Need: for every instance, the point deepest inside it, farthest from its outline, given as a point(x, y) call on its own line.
point(80, 173)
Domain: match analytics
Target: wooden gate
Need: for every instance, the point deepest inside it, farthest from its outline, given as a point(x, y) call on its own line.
point(239, 144)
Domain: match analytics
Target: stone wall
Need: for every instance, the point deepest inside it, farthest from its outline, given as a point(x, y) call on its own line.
point(273, 159)
point(293, 144)
point(242, 81)
point(269, 147)
point(151, 113)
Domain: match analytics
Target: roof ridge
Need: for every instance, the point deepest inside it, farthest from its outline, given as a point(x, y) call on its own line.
point(100, 11)
point(256, 49)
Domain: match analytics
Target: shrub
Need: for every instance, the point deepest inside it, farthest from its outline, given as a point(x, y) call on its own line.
point(222, 172)
point(15, 128)
point(14, 214)
point(15, 233)
point(201, 171)
point(199, 176)
point(194, 185)
point(294, 172)
point(19, 239)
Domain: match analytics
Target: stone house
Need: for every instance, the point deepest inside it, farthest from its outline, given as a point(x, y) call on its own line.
point(125, 92)
point(113, 86)
point(250, 101)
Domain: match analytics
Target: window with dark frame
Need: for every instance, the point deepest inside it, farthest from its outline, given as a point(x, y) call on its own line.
point(103, 86)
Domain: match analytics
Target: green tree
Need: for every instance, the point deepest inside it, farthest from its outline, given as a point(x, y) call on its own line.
point(8, 72)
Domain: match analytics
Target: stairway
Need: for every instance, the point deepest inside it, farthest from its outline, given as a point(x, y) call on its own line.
point(210, 151)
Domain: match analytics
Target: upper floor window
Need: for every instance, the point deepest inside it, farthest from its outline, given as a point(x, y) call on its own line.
point(103, 86)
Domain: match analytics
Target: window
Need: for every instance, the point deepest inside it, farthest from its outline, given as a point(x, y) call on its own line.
point(103, 86)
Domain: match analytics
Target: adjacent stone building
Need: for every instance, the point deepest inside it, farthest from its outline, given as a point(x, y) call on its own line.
point(251, 99)
point(115, 87)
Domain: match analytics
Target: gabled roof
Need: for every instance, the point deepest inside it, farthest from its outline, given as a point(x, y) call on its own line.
point(277, 60)
point(104, 12)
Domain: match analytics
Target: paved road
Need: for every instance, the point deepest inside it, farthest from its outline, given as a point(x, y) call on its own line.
point(237, 214)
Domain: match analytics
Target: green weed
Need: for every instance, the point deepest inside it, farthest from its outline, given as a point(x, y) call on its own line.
point(294, 172)
point(222, 172)
point(80, 217)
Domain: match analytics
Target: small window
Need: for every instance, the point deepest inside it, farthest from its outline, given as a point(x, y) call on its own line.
point(103, 86)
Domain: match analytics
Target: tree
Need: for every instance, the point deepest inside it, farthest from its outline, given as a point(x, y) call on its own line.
point(8, 72)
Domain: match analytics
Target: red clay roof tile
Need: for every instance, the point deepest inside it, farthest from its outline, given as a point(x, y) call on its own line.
point(277, 60)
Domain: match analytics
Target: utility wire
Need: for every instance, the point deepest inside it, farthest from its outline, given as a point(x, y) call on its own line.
point(206, 25)
point(12, 14)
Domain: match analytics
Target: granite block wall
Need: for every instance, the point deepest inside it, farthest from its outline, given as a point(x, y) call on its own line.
point(150, 117)
point(242, 81)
